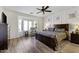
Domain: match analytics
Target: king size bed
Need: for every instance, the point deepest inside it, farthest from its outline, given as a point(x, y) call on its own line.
point(53, 38)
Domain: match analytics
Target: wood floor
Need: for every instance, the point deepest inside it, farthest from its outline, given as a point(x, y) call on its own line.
point(26, 45)
point(31, 45)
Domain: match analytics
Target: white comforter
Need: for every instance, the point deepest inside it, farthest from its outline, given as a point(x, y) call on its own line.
point(60, 36)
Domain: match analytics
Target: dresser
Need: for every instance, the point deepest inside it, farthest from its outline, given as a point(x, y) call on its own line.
point(3, 36)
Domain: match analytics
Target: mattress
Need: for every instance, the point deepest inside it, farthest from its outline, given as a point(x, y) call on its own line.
point(58, 35)
point(48, 34)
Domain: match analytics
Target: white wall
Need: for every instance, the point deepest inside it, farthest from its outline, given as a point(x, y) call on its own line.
point(1, 10)
point(62, 17)
point(12, 19)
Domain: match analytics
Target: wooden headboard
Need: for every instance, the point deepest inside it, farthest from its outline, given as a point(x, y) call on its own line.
point(62, 26)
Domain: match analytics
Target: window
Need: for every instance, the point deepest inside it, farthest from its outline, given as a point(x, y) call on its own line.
point(30, 25)
point(34, 24)
point(19, 25)
point(25, 25)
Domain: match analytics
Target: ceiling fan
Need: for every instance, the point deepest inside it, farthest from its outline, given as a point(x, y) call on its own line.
point(43, 10)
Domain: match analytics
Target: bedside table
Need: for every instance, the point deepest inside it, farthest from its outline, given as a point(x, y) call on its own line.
point(75, 38)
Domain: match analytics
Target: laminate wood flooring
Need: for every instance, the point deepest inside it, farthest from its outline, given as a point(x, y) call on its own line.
point(31, 45)
point(26, 45)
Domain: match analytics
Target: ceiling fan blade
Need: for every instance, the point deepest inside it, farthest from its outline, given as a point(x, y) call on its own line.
point(38, 9)
point(38, 12)
point(47, 7)
point(48, 11)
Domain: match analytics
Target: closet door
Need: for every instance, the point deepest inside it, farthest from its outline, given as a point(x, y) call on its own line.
point(3, 37)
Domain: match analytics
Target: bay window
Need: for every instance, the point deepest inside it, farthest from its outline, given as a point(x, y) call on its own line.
point(26, 25)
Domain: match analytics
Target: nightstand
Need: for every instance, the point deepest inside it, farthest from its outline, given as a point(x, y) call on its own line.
point(75, 38)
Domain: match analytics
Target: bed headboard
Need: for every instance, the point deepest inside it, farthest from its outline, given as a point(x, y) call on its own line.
point(62, 26)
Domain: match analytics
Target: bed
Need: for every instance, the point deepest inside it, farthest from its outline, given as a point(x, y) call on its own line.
point(53, 38)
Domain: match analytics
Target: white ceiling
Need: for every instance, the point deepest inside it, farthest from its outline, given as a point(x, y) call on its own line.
point(32, 9)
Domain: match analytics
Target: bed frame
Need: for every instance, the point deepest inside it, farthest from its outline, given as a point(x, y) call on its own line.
point(52, 42)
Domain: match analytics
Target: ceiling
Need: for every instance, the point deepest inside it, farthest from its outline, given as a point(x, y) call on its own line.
point(33, 11)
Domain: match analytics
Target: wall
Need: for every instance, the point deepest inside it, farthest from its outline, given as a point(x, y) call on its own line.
point(1, 9)
point(12, 19)
point(62, 17)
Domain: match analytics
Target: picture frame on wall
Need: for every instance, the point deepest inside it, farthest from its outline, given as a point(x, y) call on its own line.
point(72, 15)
